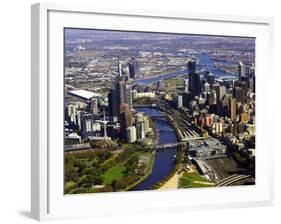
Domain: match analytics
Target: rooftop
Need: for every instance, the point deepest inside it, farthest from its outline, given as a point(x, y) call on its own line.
point(86, 95)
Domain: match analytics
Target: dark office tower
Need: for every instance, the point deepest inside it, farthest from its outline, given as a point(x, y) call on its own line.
point(240, 94)
point(113, 105)
point(125, 118)
point(66, 114)
point(241, 70)
point(133, 66)
point(186, 98)
point(119, 88)
point(245, 82)
point(125, 110)
point(123, 91)
point(191, 71)
point(128, 96)
point(191, 67)
point(196, 84)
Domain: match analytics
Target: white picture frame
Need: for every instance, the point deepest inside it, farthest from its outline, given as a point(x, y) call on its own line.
point(48, 201)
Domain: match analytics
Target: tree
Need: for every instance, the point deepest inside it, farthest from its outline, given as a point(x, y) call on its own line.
point(119, 184)
point(80, 164)
point(70, 173)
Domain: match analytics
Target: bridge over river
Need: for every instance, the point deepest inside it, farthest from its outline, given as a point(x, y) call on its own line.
point(168, 145)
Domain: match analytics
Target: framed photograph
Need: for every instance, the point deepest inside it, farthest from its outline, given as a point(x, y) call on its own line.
point(148, 111)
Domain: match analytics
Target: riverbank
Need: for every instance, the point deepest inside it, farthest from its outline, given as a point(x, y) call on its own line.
point(161, 76)
point(146, 175)
point(163, 163)
point(171, 183)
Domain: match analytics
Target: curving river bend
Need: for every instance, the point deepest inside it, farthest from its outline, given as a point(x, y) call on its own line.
point(164, 159)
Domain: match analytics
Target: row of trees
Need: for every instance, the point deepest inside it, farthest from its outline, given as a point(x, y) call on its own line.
point(130, 174)
point(104, 144)
point(144, 100)
point(123, 183)
point(120, 158)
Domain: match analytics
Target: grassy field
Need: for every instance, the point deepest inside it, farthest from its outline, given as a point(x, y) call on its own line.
point(114, 173)
point(191, 180)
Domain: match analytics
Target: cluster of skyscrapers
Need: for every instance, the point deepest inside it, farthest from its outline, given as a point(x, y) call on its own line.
point(133, 126)
point(224, 107)
point(85, 114)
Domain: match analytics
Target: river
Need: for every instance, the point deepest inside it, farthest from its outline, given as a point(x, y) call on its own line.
point(164, 159)
point(206, 63)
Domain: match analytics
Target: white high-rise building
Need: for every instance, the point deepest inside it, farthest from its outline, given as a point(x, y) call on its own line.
point(140, 125)
point(79, 119)
point(72, 112)
point(241, 70)
point(140, 130)
point(146, 125)
point(131, 134)
point(179, 101)
point(96, 127)
point(119, 69)
point(87, 123)
point(186, 85)
point(217, 128)
point(220, 91)
point(206, 87)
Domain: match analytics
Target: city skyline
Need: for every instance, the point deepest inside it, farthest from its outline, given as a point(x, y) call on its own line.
point(156, 111)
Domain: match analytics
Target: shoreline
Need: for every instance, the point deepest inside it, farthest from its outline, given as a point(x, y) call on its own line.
point(151, 163)
point(172, 183)
point(168, 73)
point(130, 188)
